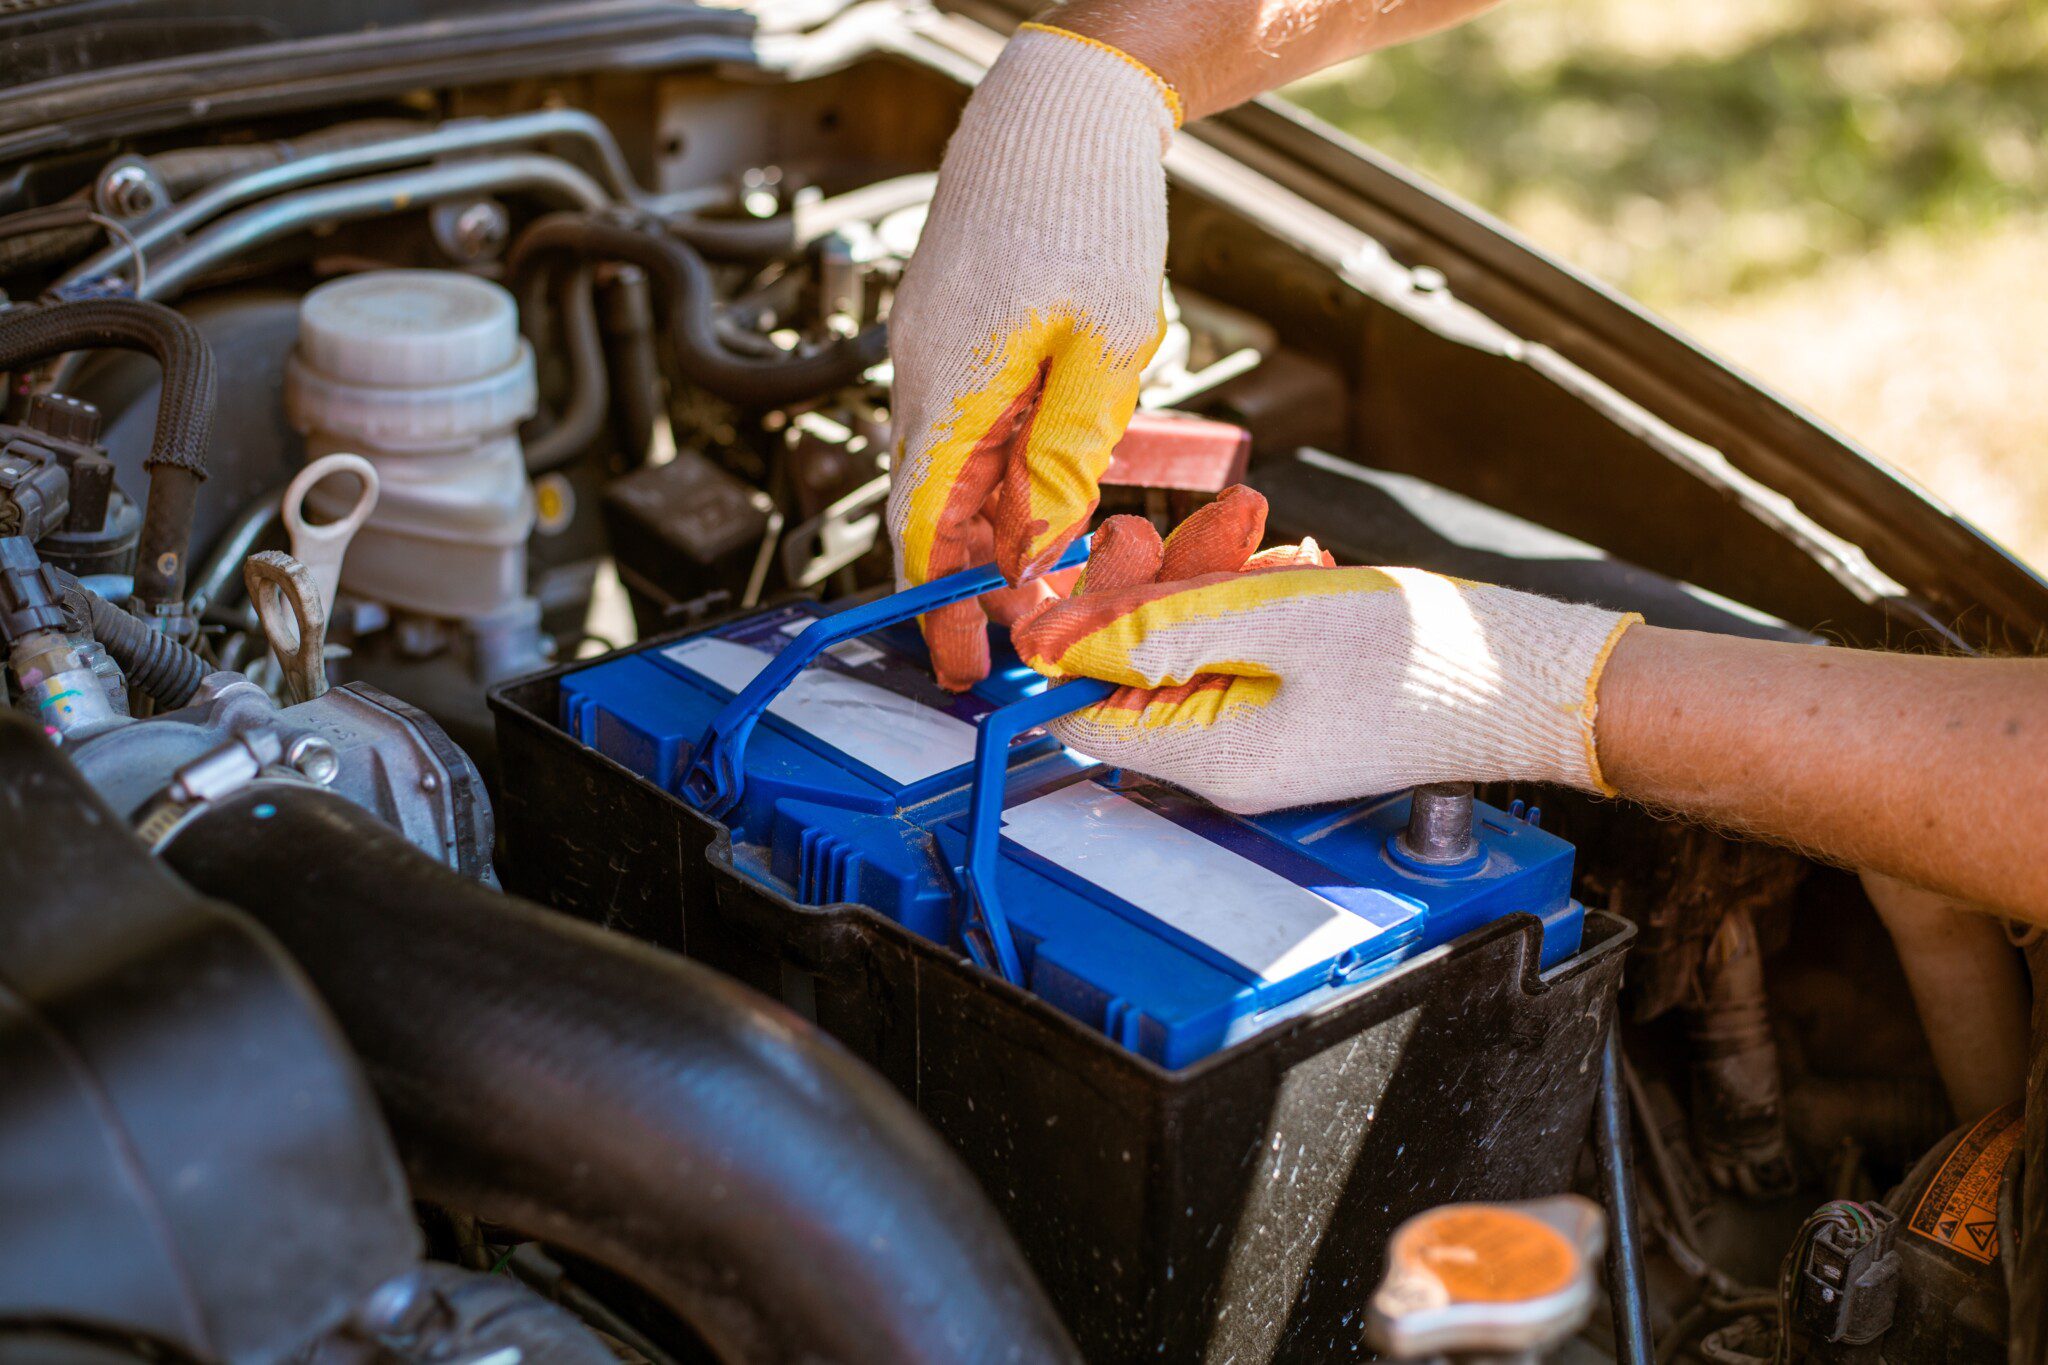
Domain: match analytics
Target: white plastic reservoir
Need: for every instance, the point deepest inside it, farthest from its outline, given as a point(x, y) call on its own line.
point(424, 373)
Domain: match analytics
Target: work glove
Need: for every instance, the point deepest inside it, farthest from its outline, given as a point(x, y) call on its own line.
point(1024, 319)
point(1265, 680)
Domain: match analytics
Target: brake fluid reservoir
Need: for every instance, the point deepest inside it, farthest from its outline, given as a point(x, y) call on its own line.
point(424, 373)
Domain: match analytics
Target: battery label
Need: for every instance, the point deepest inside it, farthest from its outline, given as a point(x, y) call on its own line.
point(901, 739)
point(1242, 909)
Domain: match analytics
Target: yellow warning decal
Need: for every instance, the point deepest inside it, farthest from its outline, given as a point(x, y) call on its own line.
point(1960, 1209)
point(1482, 1254)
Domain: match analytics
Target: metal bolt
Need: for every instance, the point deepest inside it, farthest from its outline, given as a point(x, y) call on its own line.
point(130, 191)
point(1440, 823)
point(471, 229)
point(391, 1305)
point(314, 758)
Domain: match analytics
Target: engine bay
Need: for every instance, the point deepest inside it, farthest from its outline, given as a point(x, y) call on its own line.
point(401, 494)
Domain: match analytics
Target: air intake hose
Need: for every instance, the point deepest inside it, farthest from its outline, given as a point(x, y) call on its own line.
point(184, 414)
point(688, 299)
point(629, 1105)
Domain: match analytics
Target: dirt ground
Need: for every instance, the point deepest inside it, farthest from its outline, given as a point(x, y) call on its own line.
point(1848, 198)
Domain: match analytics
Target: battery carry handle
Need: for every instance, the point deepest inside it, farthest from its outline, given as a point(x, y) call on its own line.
point(716, 777)
point(987, 929)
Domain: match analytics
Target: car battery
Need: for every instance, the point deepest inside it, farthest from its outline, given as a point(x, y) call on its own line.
point(1204, 1063)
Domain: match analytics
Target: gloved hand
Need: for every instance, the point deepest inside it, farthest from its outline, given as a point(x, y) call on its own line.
point(1024, 319)
point(1260, 681)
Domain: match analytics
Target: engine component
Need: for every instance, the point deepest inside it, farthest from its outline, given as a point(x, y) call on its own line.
point(59, 490)
point(424, 373)
point(1169, 463)
point(1956, 1245)
point(60, 686)
point(323, 546)
point(1503, 1283)
point(235, 175)
point(680, 531)
point(359, 743)
point(177, 456)
point(1845, 1273)
point(149, 660)
point(1627, 1289)
point(439, 1313)
point(630, 1106)
point(579, 423)
point(289, 610)
point(35, 489)
point(683, 287)
point(1738, 1085)
point(187, 1151)
point(1332, 1113)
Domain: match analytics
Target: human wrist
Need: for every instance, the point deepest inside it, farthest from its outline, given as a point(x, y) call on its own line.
point(1635, 699)
point(1169, 37)
point(1110, 71)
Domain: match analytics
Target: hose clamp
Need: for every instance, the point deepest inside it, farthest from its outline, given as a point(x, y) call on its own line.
point(252, 758)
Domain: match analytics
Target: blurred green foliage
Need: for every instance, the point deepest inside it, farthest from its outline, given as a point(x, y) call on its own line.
point(1689, 159)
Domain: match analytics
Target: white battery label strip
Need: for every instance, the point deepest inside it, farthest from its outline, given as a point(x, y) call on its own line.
point(897, 737)
point(1250, 914)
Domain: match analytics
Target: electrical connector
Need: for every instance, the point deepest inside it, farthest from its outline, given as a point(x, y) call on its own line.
point(1848, 1283)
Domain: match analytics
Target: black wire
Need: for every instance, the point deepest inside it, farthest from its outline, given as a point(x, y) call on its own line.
point(63, 214)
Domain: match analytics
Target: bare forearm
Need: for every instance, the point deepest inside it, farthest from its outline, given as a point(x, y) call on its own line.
point(1931, 770)
point(1217, 53)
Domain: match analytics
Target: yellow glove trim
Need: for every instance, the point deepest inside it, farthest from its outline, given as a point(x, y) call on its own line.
point(1017, 358)
point(1249, 689)
point(1590, 709)
point(1088, 401)
point(1166, 90)
point(1106, 652)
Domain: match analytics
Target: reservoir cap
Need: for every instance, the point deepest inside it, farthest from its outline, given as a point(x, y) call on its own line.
point(408, 329)
point(1470, 1279)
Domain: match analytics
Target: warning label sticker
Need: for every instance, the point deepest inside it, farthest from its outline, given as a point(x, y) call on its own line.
point(1960, 1209)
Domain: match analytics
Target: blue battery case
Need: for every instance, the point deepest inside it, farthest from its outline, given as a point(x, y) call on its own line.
point(845, 774)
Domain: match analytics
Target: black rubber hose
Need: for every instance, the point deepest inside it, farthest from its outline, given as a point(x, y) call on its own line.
point(630, 1105)
point(1626, 1292)
point(582, 417)
point(741, 241)
point(637, 395)
point(151, 660)
point(688, 301)
point(184, 414)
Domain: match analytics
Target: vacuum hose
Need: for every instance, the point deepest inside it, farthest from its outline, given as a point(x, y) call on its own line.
point(688, 300)
point(629, 1105)
point(177, 456)
point(150, 659)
